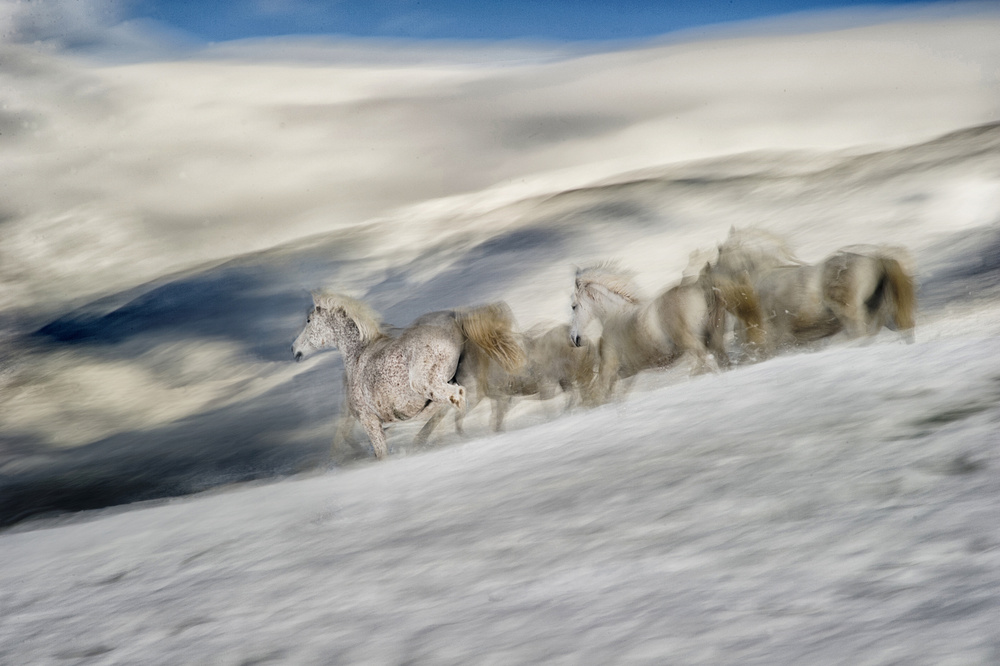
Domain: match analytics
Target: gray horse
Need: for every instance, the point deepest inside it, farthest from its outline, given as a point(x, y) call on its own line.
point(389, 378)
point(857, 290)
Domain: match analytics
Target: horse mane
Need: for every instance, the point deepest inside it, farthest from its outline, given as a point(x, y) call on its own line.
point(364, 317)
point(697, 260)
point(759, 247)
point(612, 277)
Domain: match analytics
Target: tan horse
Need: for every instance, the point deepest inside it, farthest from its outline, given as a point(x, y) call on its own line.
point(857, 290)
point(390, 379)
point(552, 365)
point(639, 334)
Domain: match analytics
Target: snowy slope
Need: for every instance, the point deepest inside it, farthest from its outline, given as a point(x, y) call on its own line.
point(833, 507)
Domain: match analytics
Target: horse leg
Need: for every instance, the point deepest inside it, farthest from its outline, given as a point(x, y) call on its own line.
point(678, 317)
point(373, 427)
point(700, 365)
point(343, 434)
point(433, 388)
point(607, 374)
point(689, 342)
point(717, 347)
point(715, 336)
point(569, 388)
point(855, 319)
point(472, 399)
point(844, 292)
point(852, 318)
point(584, 377)
point(741, 300)
point(501, 406)
point(432, 423)
point(626, 384)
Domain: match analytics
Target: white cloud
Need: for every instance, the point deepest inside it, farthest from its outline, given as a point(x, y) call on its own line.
point(65, 23)
point(98, 28)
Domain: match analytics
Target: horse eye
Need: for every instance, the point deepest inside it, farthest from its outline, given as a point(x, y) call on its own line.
point(574, 306)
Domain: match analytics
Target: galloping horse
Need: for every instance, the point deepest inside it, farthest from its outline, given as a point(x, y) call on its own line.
point(857, 290)
point(639, 334)
point(395, 378)
point(552, 364)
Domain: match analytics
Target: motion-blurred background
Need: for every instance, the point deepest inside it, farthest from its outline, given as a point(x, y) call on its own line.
point(176, 177)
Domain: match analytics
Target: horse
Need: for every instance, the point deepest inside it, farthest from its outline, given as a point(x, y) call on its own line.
point(640, 334)
point(389, 378)
point(856, 291)
point(552, 365)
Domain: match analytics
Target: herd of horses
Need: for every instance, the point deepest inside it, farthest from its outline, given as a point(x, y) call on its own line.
point(755, 299)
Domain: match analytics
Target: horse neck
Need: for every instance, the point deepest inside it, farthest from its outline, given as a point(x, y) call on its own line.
point(611, 306)
point(349, 340)
point(741, 264)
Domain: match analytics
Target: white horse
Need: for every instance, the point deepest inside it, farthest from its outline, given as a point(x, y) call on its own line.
point(857, 290)
point(638, 334)
point(390, 379)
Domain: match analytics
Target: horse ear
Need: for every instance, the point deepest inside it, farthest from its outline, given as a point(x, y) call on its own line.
point(732, 229)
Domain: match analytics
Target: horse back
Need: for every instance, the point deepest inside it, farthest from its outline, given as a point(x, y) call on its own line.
point(792, 288)
point(793, 304)
point(383, 379)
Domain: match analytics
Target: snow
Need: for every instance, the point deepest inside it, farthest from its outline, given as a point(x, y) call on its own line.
point(839, 504)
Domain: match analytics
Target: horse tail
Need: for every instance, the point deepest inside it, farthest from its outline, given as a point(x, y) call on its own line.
point(902, 292)
point(491, 329)
point(740, 299)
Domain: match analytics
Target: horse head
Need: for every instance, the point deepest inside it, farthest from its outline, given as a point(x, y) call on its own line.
point(336, 321)
point(582, 314)
point(601, 291)
point(317, 334)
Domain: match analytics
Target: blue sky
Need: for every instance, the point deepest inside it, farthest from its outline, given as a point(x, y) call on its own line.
point(220, 20)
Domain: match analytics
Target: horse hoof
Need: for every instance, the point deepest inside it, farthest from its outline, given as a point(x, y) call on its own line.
point(458, 398)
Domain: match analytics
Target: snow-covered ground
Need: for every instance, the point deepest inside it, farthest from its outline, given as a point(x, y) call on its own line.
point(833, 507)
point(163, 223)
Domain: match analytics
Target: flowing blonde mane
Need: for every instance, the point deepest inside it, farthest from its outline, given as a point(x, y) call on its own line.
point(757, 248)
point(612, 277)
point(364, 317)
